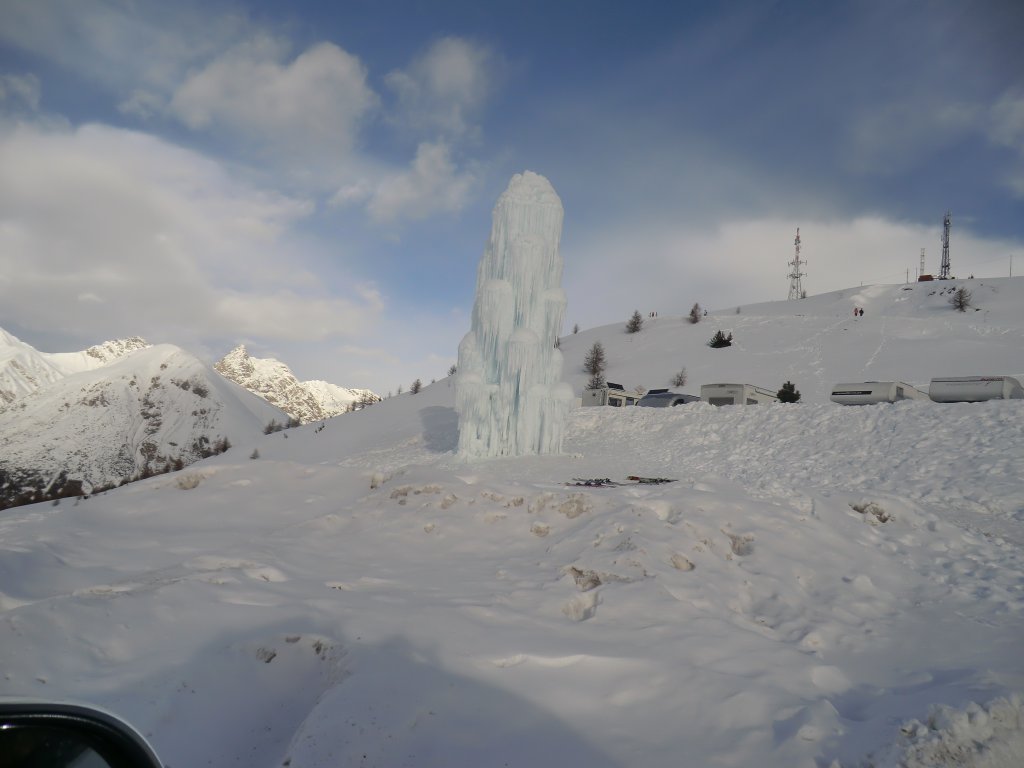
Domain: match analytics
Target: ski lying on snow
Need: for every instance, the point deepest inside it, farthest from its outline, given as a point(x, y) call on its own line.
point(606, 482)
point(594, 482)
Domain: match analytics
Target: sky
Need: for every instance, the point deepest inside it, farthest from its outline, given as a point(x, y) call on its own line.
point(316, 179)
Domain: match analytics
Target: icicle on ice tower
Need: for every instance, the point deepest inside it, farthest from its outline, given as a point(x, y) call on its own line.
point(509, 394)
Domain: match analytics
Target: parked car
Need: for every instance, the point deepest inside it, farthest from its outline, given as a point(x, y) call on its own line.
point(662, 398)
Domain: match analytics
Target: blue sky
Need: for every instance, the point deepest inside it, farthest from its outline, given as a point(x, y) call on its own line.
point(315, 179)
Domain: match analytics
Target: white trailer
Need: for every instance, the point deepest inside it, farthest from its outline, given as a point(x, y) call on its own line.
point(871, 392)
point(975, 389)
point(612, 394)
point(736, 394)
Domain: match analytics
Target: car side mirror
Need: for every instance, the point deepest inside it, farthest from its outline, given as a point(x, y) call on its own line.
point(39, 734)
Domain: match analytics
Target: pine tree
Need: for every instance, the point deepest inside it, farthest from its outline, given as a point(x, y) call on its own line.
point(594, 363)
point(961, 299)
point(576, 328)
point(695, 314)
point(636, 323)
point(453, 370)
point(416, 387)
point(789, 393)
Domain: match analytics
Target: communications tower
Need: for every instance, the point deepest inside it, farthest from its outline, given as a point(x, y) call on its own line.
point(796, 290)
point(947, 222)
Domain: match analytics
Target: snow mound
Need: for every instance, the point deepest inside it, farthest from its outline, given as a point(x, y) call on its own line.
point(975, 736)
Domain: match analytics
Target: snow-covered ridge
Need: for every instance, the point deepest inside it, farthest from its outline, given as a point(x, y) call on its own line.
point(274, 381)
point(96, 355)
point(24, 369)
point(106, 424)
point(908, 333)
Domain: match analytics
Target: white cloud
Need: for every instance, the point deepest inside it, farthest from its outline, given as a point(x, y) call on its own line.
point(444, 89)
point(21, 88)
point(142, 104)
point(1008, 120)
point(432, 184)
point(310, 107)
point(1007, 129)
point(290, 316)
point(107, 232)
point(894, 137)
point(120, 44)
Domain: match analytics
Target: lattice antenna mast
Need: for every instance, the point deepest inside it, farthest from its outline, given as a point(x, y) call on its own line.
point(796, 290)
point(947, 222)
point(921, 271)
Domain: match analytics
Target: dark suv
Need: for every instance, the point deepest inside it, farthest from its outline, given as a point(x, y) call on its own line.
point(662, 398)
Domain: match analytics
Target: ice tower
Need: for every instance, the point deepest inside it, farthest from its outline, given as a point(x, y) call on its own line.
point(509, 392)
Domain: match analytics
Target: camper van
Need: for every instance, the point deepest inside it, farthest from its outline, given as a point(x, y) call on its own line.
point(612, 394)
point(736, 394)
point(871, 392)
point(975, 389)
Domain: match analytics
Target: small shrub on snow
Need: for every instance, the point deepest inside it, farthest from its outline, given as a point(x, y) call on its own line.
point(679, 380)
point(789, 393)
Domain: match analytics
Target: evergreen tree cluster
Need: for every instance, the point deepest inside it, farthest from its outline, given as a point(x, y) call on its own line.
point(720, 340)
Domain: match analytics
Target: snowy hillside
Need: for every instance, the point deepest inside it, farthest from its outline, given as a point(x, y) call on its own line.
point(23, 369)
point(819, 586)
point(103, 425)
point(274, 381)
point(334, 400)
point(908, 333)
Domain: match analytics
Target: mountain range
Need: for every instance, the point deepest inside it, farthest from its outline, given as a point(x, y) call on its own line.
point(75, 421)
point(274, 381)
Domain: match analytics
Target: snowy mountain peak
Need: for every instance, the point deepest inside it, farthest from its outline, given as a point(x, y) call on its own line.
point(111, 350)
point(274, 381)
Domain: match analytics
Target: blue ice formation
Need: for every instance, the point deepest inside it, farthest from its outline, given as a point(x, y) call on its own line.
point(509, 394)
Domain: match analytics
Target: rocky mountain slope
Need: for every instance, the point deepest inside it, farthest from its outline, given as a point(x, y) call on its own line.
point(153, 406)
point(274, 381)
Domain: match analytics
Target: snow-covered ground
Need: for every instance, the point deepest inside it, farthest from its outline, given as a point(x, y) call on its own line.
point(822, 585)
